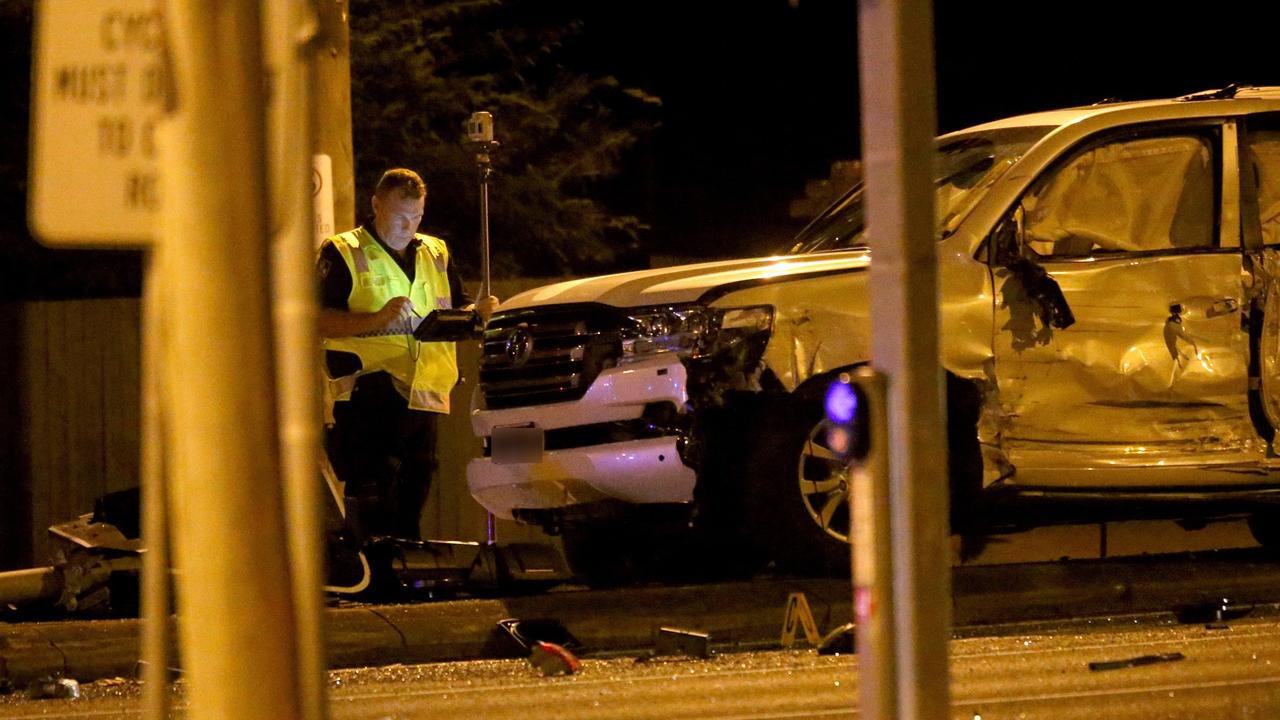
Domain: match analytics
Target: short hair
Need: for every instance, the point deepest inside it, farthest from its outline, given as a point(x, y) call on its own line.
point(402, 181)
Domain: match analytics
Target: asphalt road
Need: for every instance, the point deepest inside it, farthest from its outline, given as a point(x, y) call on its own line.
point(1229, 670)
point(1226, 673)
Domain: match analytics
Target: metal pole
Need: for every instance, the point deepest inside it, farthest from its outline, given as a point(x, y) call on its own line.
point(236, 606)
point(898, 125)
point(873, 560)
point(482, 136)
point(486, 288)
point(482, 158)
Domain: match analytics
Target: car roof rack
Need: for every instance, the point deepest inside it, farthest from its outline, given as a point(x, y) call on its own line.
point(1225, 93)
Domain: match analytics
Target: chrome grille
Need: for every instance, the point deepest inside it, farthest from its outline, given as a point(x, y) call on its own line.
point(546, 355)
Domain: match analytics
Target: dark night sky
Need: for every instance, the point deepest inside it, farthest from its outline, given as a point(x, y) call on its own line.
point(759, 96)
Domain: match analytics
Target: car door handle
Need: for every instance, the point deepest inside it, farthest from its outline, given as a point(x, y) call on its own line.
point(1225, 306)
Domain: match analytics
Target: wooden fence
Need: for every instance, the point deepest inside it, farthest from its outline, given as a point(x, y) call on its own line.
point(75, 374)
point(70, 420)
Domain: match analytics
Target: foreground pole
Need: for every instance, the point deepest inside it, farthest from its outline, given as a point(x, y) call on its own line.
point(290, 54)
point(236, 607)
point(898, 126)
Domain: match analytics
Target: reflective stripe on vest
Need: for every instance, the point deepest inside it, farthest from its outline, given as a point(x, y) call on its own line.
point(427, 372)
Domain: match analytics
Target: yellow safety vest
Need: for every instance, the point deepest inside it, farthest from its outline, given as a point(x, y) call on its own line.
point(425, 371)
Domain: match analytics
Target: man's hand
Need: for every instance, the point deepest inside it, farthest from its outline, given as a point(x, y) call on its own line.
point(340, 323)
point(485, 307)
point(397, 309)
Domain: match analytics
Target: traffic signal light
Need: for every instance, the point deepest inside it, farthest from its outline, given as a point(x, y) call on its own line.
point(848, 418)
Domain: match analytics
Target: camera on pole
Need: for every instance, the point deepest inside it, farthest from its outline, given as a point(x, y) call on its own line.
point(480, 133)
point(452, 324)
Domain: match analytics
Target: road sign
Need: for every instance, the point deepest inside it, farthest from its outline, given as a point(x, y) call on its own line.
point(99, 87)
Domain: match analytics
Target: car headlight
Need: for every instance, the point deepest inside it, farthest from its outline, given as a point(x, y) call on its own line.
point(690, 331)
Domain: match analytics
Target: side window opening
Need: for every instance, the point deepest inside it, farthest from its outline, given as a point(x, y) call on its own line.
point(1136, 195)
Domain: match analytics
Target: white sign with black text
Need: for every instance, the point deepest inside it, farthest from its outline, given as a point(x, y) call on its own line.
point(99, 87)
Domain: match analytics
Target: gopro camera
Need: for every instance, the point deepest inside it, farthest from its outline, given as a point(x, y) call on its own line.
point(480, 127)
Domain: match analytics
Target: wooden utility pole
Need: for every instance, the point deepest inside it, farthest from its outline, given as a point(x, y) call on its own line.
point(290, 57)
point(239, 614)
point(332, 97)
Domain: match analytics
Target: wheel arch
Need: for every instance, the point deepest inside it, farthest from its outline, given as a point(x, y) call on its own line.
point(963, 407)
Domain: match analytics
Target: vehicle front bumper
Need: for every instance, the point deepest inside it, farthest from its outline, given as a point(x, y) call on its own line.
point(635, 471)
point(643, 470)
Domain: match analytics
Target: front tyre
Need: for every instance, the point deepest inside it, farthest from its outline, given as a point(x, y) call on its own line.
point(797, 489)
point(632, 553)
point(605, 555)
point(1265, 527)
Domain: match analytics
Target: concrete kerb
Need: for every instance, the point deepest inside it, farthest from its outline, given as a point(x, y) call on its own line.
point(26, 654)
point(615, 620)
point(992, 594)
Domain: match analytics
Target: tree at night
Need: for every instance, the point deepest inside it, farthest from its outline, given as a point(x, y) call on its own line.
point(417, 77)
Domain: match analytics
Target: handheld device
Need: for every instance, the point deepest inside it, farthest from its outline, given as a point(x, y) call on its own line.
point(448, 326)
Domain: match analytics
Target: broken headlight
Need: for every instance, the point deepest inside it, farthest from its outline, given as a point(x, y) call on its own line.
point(690, 331)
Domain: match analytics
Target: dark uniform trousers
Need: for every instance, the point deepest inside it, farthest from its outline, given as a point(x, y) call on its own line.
point(385, 453)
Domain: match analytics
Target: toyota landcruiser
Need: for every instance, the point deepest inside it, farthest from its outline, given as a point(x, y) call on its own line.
point(1108, 318)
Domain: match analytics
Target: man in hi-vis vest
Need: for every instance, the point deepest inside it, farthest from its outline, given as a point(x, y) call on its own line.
point(376, 283)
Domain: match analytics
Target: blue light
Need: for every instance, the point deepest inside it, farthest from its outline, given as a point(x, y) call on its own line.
point(842, 402)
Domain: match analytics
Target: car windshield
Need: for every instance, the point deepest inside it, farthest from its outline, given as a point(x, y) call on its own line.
point(965, 167)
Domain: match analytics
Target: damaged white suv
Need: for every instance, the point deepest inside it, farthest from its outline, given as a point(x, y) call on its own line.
point(1109, 317)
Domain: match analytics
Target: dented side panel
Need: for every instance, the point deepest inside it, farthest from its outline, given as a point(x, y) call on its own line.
point(819, 324)
point(1269, 342)
point(1262, 157)
point(1153, 372)
point(823, 323)
point(966, 307)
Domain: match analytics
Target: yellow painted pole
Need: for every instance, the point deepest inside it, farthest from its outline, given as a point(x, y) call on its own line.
point(236, 606)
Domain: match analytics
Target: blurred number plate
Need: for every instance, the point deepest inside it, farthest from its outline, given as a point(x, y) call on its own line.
point(517, 445)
